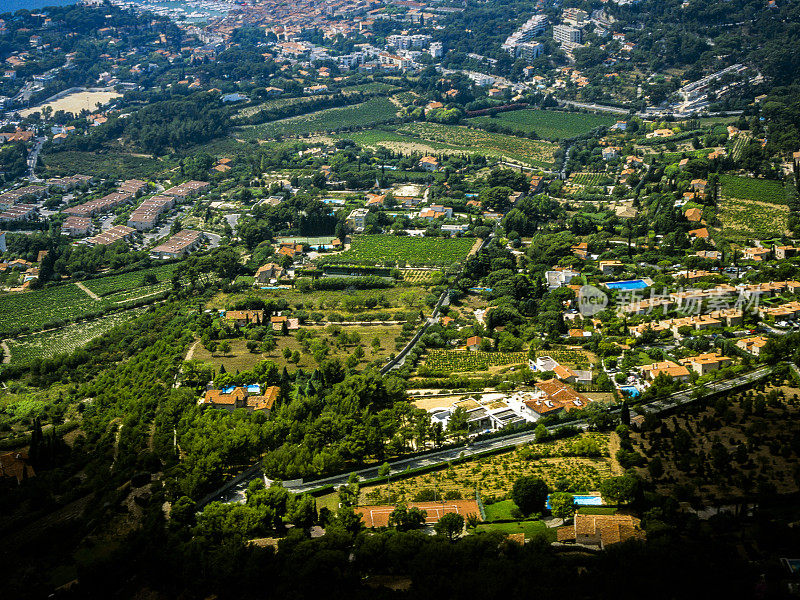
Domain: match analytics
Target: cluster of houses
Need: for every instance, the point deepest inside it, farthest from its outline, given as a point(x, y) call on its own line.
point(248, 397)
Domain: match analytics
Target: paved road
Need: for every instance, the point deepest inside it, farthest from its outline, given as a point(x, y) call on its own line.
point(236, 493)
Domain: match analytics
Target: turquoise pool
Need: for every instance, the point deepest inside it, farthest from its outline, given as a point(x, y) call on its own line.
point(630, 390)
point(583, 501)
point(631, 284)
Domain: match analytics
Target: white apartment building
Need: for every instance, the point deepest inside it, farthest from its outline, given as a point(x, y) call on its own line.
point(566, 34)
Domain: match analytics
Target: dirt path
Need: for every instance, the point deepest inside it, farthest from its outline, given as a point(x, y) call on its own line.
point(91, 294)
point(613, 446)
point(6, 352)
point(190, 353)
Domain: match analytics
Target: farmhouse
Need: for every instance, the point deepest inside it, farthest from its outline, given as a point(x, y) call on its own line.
point(474, 342)
point(268, 272)
point(245, 317)
point(249, 398)
point(14, 466)
point(429, 163)
point(601, 530)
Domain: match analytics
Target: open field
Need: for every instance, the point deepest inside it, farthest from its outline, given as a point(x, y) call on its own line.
point(548, 124)
point(531, 529)
point(495, 145)
point(371, 112)
point(76, 102)
point(132, 282)
point(565, 461)
point(749, 188)
point(66, 340)
point(743, 219)
point(403, 250)
point(242, 359)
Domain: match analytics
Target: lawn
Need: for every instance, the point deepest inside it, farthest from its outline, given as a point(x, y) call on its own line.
point(390, 250)
point(531, 529)
point(597, 510)
point(548, 124)
point(500, 511)
point(749, 188)
point(365, 114)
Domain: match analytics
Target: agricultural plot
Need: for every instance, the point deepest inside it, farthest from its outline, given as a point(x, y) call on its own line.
point(565, 356)
point(587, 179)
point(749, 188)
point(421, 276)
point(745, 219)
point(130, 282)
point(66, 340)
point(371, 112)
point(397, 250)
point(475, 141)
point(466, 361)
point(111, 166)
point(34, 310)
point(548, 124)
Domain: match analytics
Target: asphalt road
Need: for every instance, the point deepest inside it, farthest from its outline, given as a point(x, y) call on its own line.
point(236, 493)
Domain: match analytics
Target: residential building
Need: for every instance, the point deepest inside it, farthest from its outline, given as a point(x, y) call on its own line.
point(705, 363)
point(757, 254)
point(782, 252)
point(2, 241)
point(268, 272)
point(111, 236)
point(357, 219)
point(581, 250)
point(609, 267)
point(76, 226)
point(187, 190)
point(243, 318)
point(566, 34)
point(559, 277)
point(429, 163)
point(553, 396)
point(752, 345)
point(474, 343)
point(179, 245)
point(667, 367)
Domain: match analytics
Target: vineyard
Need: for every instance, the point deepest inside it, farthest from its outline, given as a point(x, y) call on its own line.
point(748, 188)
point(389, 250)
point(588, 179)
point(565, 356)
point(57, 305)
point(421, 276)
point(548, 124)
point(64, 341)
point(460, 361)
point(744, 219)
point(130, 282)
point(371, 112)
point(533, 152)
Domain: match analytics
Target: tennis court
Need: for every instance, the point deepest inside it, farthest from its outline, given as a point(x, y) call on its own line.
point(378, 516)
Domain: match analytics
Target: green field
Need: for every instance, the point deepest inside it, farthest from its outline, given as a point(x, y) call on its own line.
point(110, 166)
point(476, 141)
point(131, 283)
point(64, 341)
point(371, 112)
point(748, 188)
point(548, 124)
point(393, 250)
point(531, 529)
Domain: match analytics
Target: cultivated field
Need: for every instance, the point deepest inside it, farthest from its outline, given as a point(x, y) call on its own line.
point(66, 340)
point(467, 361)
point(403, 250)
point(743, 219)
point(748, 188)
point(548, 124)
point(496, 145)
point(112, 165)
point(371, 112)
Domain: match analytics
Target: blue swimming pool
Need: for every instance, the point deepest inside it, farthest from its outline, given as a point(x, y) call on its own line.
point(630, 390)
point(631, 284)
point(583, 501)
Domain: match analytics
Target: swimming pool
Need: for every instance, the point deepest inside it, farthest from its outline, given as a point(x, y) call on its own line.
point(632, 391)
point(631, 284)
point(583, 501)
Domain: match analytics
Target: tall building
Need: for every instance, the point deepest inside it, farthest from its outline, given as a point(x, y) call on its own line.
point(436, 50)
point(565, 34)
point(2, 241)
point(529, 50)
